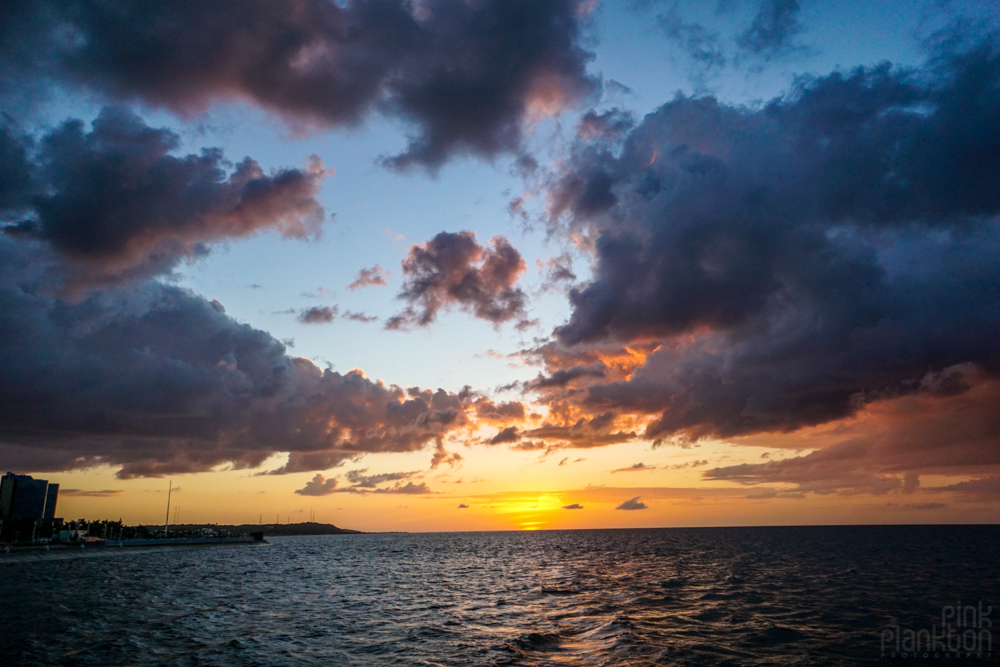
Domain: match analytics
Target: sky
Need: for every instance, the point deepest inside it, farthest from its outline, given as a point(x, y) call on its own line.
point(502, 265)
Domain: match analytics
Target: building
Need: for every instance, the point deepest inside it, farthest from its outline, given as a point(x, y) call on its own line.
point(22, 497)
point(51, 496)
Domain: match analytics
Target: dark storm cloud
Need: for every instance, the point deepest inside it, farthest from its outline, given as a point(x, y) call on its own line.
point(310, 461)
point(773, 30)
point(617, 361)
point(565, 427)
point(454, 270)
point(502, 61)
point(16, 182)
point(121, 206)
point(319, 315)
point(795, 261)
point(466, 75)
point(564, 376)
point(583, 433)
point(155, 379)
point(373, 277)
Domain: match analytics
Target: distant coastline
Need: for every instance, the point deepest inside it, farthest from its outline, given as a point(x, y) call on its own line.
point(222, 536)
point(269, 529)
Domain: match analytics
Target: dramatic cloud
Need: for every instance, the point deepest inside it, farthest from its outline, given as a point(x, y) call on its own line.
point(319, 315)
point(574, 506)
point(373, 277)
point(583, 432)
point(891, 442)
point(318, 486)
point(787, 265)
point(157, 380)
point(17, 185)
point(80, 493)
point(564, 376)
point(118, 204)
point(454, 270)
point(633, 504)
point(466, 75)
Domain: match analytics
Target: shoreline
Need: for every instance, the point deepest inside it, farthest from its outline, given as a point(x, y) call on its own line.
point(35, 554)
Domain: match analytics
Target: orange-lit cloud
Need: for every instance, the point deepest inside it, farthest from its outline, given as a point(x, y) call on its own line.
point(889, 444)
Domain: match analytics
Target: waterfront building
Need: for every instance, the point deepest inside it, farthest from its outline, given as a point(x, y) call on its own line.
point(23, 497)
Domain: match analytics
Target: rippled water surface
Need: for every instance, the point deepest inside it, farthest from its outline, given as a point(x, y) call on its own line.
point(754, 596)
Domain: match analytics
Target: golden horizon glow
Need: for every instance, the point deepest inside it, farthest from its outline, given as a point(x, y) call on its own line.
point(504, 490)
point(501, 488)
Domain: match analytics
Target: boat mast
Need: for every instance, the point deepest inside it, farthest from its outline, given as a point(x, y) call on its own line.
point(166, 522)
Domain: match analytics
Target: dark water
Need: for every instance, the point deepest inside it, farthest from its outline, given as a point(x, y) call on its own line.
point(756, 596)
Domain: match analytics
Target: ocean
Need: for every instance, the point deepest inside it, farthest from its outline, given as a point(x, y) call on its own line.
point(709, 596)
